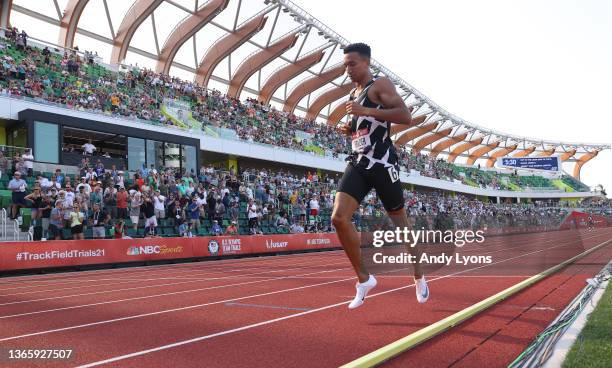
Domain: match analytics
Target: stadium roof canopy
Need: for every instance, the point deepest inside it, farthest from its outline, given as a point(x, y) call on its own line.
point(266, 49)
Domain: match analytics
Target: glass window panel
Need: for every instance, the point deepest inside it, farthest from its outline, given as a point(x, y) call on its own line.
point(46, 142)
point(136, 153)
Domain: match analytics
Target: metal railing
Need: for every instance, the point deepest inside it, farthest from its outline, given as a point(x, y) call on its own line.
point(16, 230)
point(31, 234)
point(10, 151)
point(3, 219)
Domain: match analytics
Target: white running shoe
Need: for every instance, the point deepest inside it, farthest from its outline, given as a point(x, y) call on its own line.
point(362, 291)
point(422, 291)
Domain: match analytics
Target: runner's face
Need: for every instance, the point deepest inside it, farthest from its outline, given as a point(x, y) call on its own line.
point(356, 66)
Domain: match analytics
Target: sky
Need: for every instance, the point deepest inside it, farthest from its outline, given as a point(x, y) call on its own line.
point(540, 69)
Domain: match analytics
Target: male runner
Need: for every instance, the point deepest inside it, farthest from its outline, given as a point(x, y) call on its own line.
point(373, 163)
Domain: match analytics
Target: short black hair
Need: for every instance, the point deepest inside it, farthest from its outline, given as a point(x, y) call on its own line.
point(360, 48)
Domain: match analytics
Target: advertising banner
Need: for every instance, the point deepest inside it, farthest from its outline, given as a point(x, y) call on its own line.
point(61, 253)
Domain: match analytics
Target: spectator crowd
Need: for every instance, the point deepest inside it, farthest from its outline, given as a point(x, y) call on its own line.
point(77, 81)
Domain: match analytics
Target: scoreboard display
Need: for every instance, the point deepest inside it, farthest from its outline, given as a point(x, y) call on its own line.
point(534, 163)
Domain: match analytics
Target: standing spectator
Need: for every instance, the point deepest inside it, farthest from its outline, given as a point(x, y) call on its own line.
point(90, 175)
point(148, 209)
point(47, 207)
point(211, 202)
point(88, 148)
point(24, 38)
point(110, 201)
point(96, 196)
point(59, 177)
point(99, 169)
point(219, 211)
point(194, 213)
point(56, 221)
point(54, 184)
point(252, 214)
point(314, 206)
point(301, 210)
point(83, 184)
point(4, 164)
point(120, 179)
point(98, 221)
point(36, 200)
point(234, 211)
point(159, 203)
point(135, 203)
point(82, 197)
point(18, 186)
point(122, 203)
point(76, 222)
point(28, 161)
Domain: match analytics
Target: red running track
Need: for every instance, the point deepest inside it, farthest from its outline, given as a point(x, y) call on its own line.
point(289, 310)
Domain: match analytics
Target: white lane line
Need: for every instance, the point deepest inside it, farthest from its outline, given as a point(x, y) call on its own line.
point(143, 273)
point(72, 275)
point(263, 323)
point(249, 297)
point(179, 283)
point(265, 306)
point(126, 269)
point(218, 272)
point(158, 285)
point(166, 294)
point(264, 258)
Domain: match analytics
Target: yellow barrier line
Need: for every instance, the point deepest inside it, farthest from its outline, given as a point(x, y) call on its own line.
point(389, 351)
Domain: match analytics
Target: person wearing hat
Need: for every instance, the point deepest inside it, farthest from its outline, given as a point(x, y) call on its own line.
point(85, 185)
point(216, 228)
point(232, 229)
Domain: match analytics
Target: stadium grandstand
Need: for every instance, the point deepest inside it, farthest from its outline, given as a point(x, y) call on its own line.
point(217, 121)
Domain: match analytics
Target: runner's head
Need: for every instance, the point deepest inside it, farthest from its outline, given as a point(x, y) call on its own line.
point(357, 61)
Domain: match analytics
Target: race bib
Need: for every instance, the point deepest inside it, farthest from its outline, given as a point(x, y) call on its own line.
point(361, 141)
point(393, 174)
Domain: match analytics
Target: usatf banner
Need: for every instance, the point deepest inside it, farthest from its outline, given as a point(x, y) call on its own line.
point(62, 253)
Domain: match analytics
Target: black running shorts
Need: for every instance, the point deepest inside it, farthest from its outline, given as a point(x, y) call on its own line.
point(357, 182)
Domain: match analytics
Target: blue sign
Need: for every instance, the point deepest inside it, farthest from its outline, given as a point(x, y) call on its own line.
point(534, 163)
